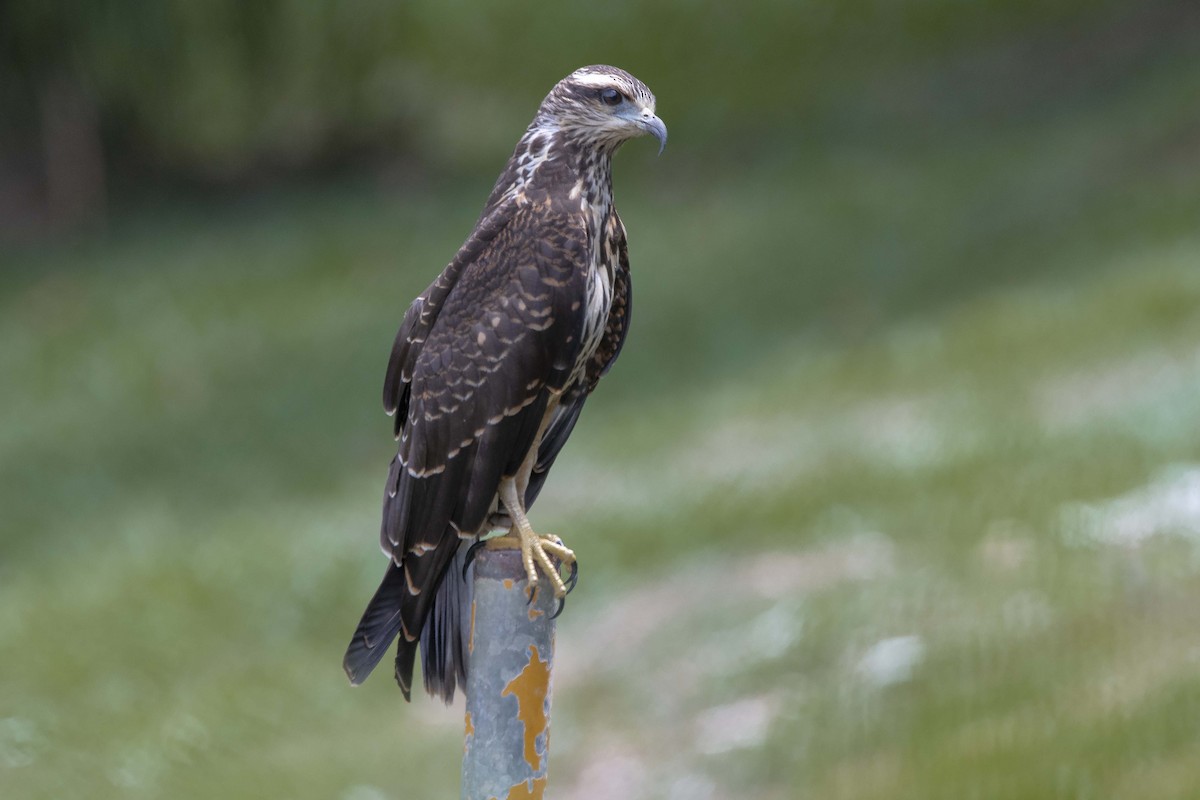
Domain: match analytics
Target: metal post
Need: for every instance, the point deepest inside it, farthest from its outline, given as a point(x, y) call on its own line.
point(506, 752)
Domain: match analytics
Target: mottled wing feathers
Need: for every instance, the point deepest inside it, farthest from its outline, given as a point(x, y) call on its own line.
point(477, 360)
point(424, 311)
point(506, 332)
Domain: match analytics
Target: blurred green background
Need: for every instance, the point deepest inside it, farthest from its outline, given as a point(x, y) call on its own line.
point(895, 492)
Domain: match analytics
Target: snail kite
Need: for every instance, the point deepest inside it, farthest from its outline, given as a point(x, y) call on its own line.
point(491, 367)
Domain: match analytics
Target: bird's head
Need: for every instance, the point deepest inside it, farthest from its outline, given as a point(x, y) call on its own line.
point(602, 107)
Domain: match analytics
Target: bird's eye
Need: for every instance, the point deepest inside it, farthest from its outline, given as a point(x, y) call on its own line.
point(611, 97)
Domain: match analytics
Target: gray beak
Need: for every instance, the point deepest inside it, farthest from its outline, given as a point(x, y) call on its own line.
point(656, 128)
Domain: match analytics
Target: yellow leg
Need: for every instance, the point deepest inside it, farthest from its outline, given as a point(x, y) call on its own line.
point(535, 550)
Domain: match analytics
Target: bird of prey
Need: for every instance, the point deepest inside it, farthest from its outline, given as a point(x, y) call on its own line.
point(491, 367)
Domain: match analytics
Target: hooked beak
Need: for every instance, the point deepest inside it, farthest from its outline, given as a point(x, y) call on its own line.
point(656, 128)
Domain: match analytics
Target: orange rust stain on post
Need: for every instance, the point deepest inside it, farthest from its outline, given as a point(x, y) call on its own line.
point(470, 725)
point(535, 612)
point(530, 688)
point(528, 790)
point(508, 583)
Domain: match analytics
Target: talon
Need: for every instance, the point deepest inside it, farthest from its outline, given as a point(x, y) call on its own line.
point(532, 594)
point(471, 553)
point(562, 603)
point(572, 579)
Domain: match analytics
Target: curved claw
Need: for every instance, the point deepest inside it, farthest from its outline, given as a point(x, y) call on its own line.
point(532, 595)
point(471, 557)
point(562, 603)
point(572, 579)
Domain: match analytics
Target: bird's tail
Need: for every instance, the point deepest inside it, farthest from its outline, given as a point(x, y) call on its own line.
point(444, 639)
point(443, 635)
point(379, 625)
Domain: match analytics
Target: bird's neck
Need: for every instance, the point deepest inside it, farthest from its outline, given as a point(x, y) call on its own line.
point(548, 163)
point(586, 170)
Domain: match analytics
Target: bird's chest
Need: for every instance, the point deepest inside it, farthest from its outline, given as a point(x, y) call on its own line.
point(598, 287)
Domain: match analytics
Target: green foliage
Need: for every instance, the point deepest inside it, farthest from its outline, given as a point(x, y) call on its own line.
point(222, 88)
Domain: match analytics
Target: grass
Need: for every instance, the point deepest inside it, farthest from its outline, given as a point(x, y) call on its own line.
point(851, 510)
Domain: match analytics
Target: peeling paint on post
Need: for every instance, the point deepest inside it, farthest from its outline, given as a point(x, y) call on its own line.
point(506, 749)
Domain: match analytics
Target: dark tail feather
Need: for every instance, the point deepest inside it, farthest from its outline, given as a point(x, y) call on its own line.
point(444, 637)
point(379, 625)
point(406, 655)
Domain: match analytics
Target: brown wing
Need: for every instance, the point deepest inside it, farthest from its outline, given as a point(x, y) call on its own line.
point(423, 312)
point(478, 356)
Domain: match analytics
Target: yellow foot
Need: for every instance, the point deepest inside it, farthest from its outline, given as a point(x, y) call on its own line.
point(535, 550)
point(535, 553)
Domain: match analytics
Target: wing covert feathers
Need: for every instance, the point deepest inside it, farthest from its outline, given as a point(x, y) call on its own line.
point(423, 311)
point(477, 359)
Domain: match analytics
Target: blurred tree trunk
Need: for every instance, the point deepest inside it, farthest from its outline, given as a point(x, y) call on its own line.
point(72, 153)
